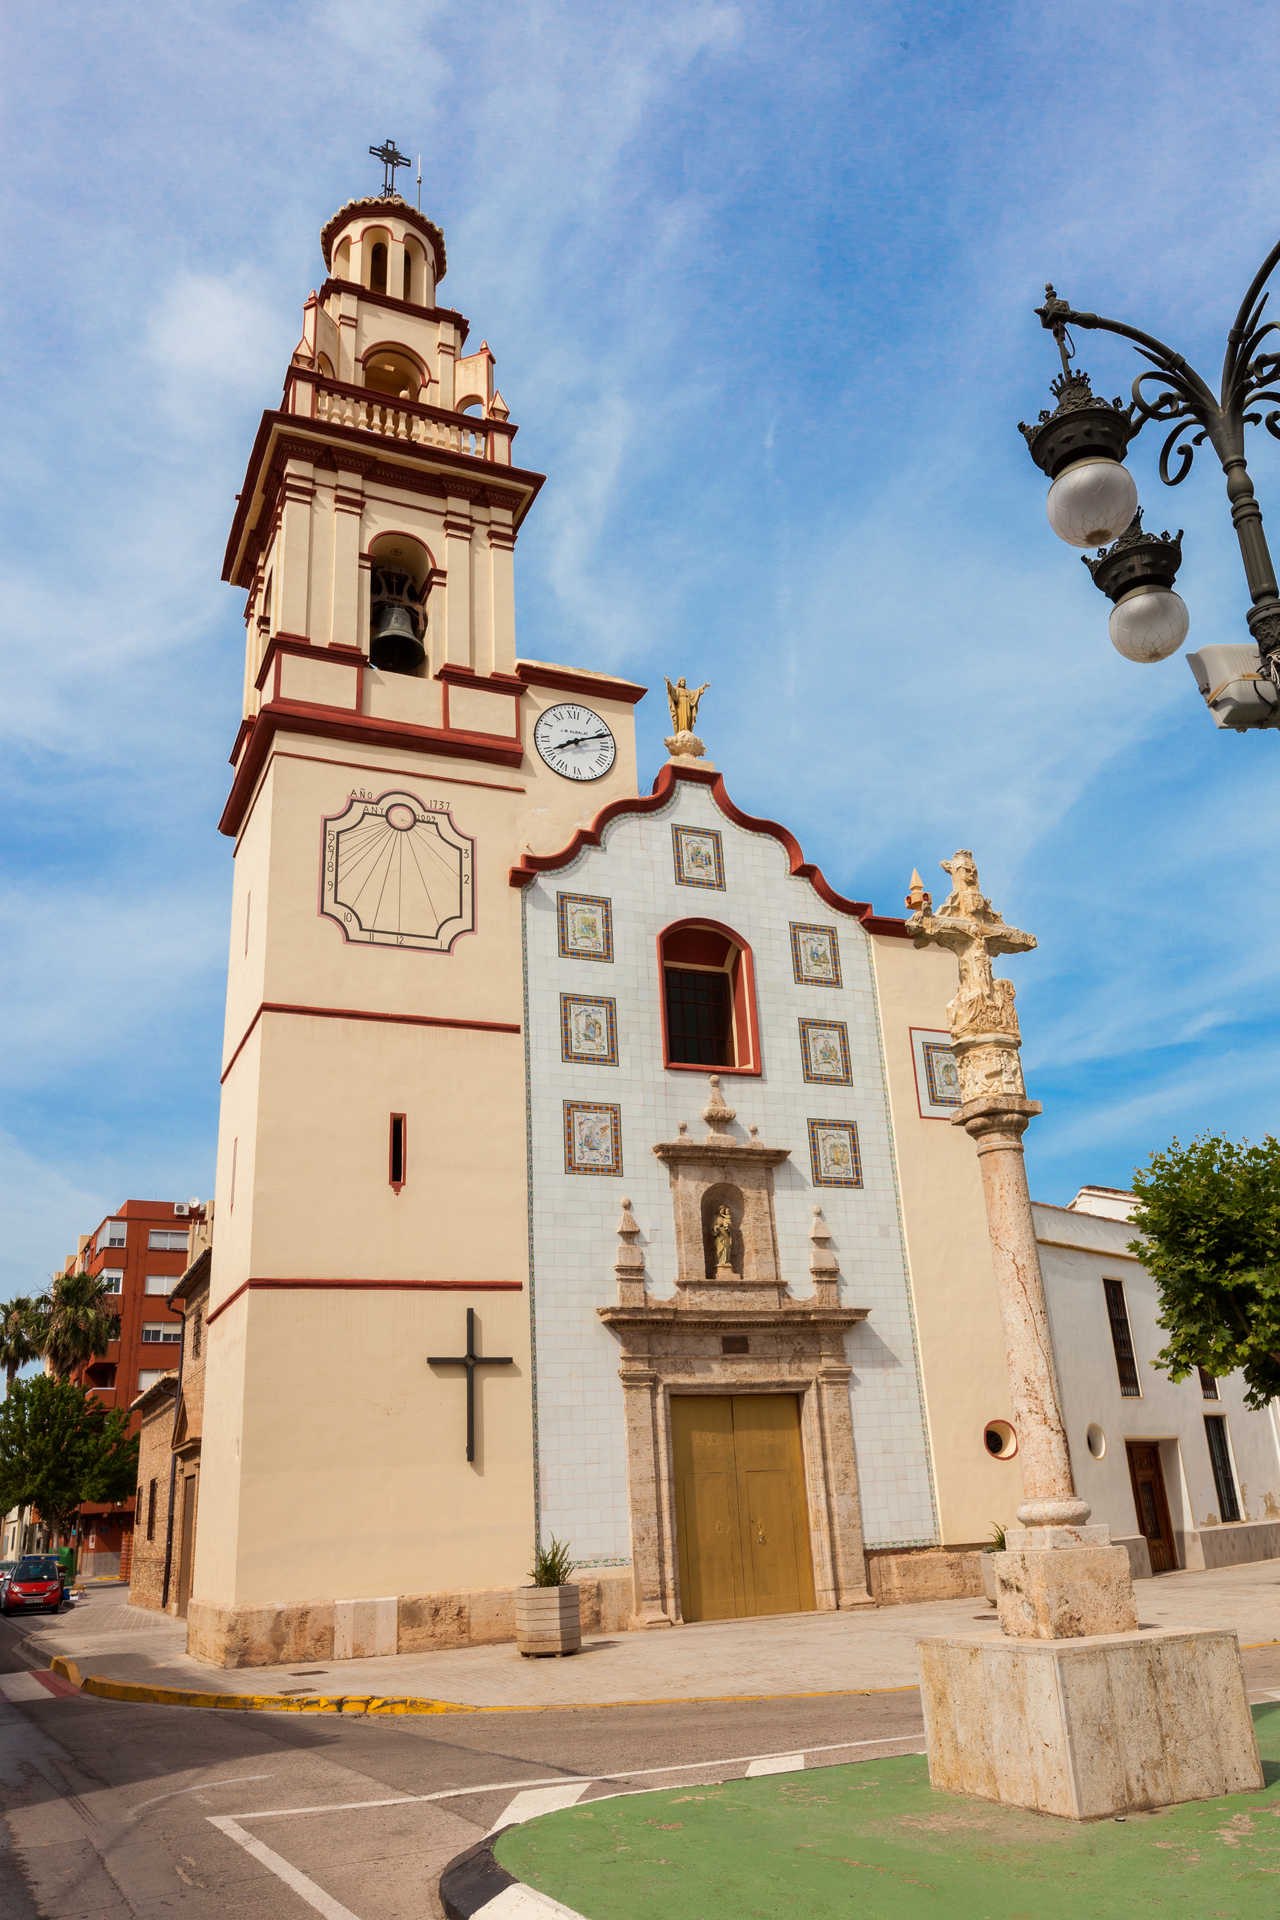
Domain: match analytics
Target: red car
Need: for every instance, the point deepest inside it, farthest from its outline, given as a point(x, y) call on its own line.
point(36, 1581)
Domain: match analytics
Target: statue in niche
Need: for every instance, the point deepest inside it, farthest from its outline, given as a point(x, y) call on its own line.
point(722, 1238)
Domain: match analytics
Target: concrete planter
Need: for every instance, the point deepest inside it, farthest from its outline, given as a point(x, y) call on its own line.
point(548, 1619)
point(987, 1567)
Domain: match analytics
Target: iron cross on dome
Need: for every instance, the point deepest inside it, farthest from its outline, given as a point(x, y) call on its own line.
point(391, 158)
point(470, 1360)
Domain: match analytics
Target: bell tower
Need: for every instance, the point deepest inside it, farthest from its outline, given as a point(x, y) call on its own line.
point(394, 759)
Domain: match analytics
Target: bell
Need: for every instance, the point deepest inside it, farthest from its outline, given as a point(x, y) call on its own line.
point(395, 645)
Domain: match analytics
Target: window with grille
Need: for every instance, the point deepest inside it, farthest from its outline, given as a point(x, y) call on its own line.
point(699, 1016)
point(1122, 1340)
point(1215, 1430)
point(708, 997)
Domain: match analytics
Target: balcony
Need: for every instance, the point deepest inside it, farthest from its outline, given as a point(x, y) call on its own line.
point(408, 422)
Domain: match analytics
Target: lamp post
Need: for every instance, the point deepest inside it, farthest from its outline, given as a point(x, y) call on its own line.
point(1093, 501)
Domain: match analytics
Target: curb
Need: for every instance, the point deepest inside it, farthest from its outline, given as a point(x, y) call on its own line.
point(474, 1885)
point(140, 1692)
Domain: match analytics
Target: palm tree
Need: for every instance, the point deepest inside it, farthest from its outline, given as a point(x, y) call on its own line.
point(74, 1322)
point(20, 1334)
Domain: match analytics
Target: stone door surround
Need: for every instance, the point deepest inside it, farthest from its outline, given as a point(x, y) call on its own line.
point(738, 1333)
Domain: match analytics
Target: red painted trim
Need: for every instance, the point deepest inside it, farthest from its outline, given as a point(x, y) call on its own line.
point(399, 306)
point(744, 976)
point(306, 717)
point(363, 1013)
point(454, 675)
point(242, 734)
point(532, 864)
point(367, 1286)
point(280, 643)
point(569, 680)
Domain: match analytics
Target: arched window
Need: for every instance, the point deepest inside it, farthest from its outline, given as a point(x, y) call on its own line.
point(410, 252)
point(378, 267)
point(389, 370)
point(708, 998)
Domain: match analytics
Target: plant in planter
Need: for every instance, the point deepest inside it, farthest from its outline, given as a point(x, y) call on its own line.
point(986, 1566)
point(549, 1609)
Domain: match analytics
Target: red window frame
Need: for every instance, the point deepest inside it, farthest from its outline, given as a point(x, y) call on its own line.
point(746, 1019)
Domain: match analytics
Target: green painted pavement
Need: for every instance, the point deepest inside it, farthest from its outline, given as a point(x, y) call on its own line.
point(874, 1840)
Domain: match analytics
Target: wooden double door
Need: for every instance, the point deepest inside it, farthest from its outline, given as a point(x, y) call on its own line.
point(742, 1518)
point(1152, 1504)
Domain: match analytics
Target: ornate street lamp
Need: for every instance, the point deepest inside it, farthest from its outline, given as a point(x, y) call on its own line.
point(1093, 501)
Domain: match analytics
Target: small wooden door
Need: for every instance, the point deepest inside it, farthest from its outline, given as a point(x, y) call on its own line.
point(1152, 1506)
point(742, 1519)
point(187, 1548)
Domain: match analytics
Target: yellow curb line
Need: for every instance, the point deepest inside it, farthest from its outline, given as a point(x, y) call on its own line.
point(104, 1689)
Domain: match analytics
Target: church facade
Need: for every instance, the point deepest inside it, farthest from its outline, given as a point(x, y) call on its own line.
point(584, 1161)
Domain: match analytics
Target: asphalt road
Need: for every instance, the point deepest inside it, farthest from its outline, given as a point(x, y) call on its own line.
point(117, 1810)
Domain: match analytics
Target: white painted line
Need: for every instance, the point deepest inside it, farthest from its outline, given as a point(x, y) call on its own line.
point(776, 1763)
point(201, 1786)
point(22, 1686)
point(532, 1801)
point(558, 1779)
point(321, 1902)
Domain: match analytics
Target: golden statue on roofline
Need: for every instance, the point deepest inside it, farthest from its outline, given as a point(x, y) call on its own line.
point(683, 702)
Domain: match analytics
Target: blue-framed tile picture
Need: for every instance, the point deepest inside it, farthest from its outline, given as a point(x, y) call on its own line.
point(833, 1153)
point(815, 955)
point(586, 927)
point(824, 1052)
point(592, 1137)
point(588, 1030)
point(699, 857)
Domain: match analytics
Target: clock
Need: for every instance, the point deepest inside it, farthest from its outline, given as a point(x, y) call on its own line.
point(575, 742)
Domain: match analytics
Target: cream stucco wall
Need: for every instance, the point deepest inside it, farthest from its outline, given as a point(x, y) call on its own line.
point(948, 1254)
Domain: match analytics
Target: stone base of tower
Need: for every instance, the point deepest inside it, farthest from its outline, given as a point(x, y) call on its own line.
point(330, 1630)
point(1089, 1728)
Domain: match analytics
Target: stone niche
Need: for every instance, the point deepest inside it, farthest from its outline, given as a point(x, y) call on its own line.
point(733, 1327)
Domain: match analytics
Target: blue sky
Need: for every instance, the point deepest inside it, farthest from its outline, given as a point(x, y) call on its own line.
point(759, 282)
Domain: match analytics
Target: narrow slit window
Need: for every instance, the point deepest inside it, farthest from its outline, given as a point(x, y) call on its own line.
point(1215, 1432)
point(1122, 1340)
point(151, 1510)
point(378, 267)
point(1208, 1383)
point(396, 1158)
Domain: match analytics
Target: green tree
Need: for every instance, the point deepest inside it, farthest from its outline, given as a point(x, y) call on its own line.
point(20, 1336)
point(1210, 1217)
point(59, 1446)
point(74, 1319)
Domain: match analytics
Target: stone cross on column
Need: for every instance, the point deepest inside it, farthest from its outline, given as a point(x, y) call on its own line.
point(995, 1112)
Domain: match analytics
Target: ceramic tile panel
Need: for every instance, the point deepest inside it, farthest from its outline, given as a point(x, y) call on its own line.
point(824, 1052)
point(834, 1159)
point(815, 955)
point(588, 1030)
point(698, 853)
point(585, 926)
point(592, 1137)
point(937, 1075)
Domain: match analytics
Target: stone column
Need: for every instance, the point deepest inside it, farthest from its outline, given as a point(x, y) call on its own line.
point(1076, 1726)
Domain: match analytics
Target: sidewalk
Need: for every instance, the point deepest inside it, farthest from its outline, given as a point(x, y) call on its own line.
point(867, 1650)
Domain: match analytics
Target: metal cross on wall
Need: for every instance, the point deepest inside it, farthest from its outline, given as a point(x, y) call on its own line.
point(391, 158)
point(470, 1360)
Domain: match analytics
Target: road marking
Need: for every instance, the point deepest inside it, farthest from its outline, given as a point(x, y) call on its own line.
point(558, 1779)
point(306, 1889)
point(201, 1786)
point(776, 1763)
point(532, 1801)
point(21, 1686)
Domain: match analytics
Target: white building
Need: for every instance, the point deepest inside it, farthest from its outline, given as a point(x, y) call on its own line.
point(1184, 1473)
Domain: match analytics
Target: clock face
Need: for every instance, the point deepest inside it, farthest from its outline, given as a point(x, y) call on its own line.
point(575, 741)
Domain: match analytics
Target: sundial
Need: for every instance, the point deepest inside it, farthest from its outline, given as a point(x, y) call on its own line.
point(397, 873)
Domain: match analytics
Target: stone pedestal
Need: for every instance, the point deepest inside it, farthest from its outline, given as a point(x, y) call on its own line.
point(1053, 1583)
point(1089, 1727)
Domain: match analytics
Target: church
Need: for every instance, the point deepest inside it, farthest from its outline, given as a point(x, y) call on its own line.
point(584, 1162)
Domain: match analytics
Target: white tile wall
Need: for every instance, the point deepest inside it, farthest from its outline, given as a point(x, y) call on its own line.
point(580, 1443)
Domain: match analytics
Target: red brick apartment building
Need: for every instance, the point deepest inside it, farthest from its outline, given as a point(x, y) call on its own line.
point(143, 1249)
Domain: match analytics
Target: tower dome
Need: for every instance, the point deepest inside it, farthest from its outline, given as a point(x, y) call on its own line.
point(387, 247)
